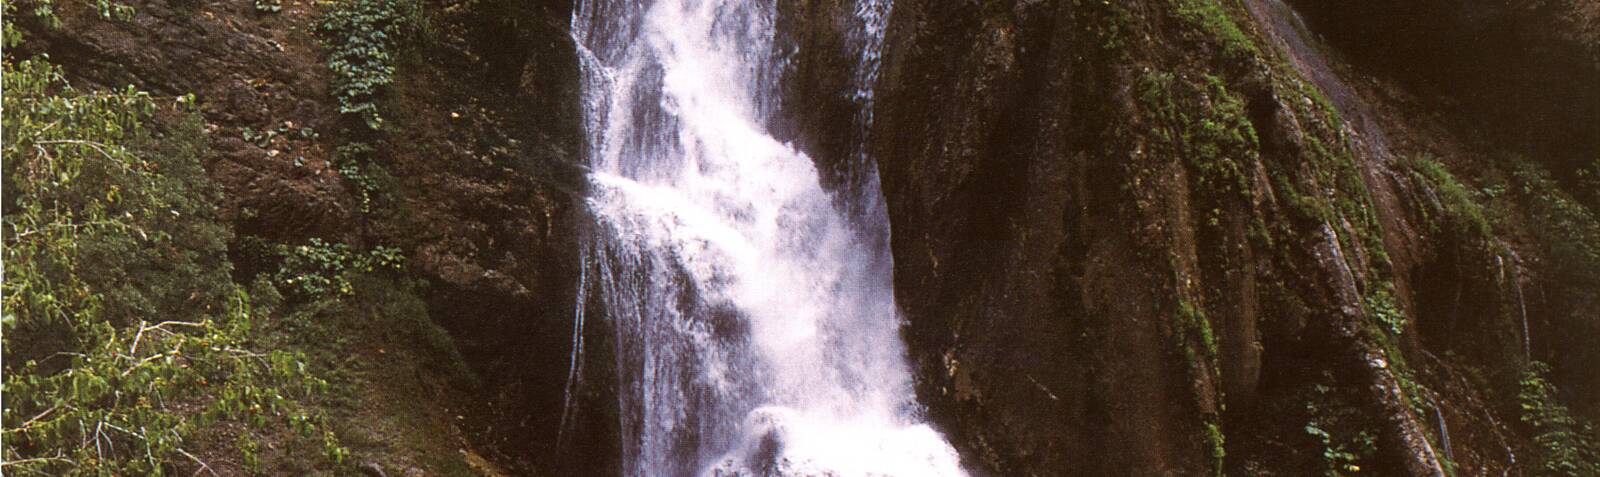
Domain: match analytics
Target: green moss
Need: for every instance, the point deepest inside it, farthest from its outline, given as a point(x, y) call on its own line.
point(1109, 22)
point(398, 311)
point(1193, 338)
point(1192, 323)
point(1205, 125)
point(380, 351)
point(1293, 86)
point(1217, 446)
point(1457, 206)
point(1210, 17)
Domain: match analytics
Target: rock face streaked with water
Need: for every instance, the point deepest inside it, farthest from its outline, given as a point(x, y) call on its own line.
point(757, 332)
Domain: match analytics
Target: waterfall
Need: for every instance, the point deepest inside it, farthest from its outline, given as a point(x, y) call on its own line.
point(1522, 304)
point(575, 361)
point(756, 329)
point(1444, 428)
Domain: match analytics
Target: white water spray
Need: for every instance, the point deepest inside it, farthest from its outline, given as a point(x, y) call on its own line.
point(756, 327)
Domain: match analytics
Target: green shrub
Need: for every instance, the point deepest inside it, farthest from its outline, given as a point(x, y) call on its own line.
point(123, 333)
point(321, 269)
point(1381, 305)
point(44, 12)
point(1566, 446)
point(363, 38)
point(1570, 231)
point(1343, 435)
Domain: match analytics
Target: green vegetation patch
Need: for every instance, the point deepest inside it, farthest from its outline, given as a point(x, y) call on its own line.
point(1567, 447)
point(363, 39)
point(1210, 17)
point(1569, 230)
point(1195, 342)
point(1343, 435)
point(1204, 125)
point(319, 269)
point(123, 332)
point(1451, 203)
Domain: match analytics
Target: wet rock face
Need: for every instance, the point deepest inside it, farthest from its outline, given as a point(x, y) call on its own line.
point(999, 257)
point(816, 85)
point(486, 138)
point(1050, 259)
point(1522, 70)
point(1055, 256)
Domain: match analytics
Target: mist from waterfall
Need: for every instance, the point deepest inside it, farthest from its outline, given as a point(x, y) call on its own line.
point(757, 332)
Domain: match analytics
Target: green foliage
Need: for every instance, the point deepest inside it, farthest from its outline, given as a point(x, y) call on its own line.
point(44, 11)
point(1110, 22)
point(320, 269)
point(1588, 179)
point(363, 39)
point(1568, 234)
point(395, 307)
point(1193, 338)
point(1339, 452)
point(1206, 125)
point(356, 166)
point(1341, 457)
point(1381, 305)
point(1456, 205)
point(268, 6)
point(1569, 230)
point(1217, 445)
point(1211, 18)
point(1566, 446)
point(123, 331)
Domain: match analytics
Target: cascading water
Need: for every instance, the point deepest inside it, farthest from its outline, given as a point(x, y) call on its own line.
point(756, 327)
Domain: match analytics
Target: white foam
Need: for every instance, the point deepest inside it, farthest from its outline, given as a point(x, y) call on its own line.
point(756, 325)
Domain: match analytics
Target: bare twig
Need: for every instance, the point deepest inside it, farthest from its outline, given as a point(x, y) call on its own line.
point(38, 417)
point(134, 348)
point(141, 362)
point(31, 460)
point(178, 323)
point(1042, 388)
point(99, 430)
point(197, 460)
point(98, 147)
